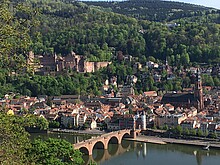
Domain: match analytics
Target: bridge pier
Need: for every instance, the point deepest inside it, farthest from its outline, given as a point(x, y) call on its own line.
point(133, 134)
point(90, 147)
point(90, 152)
point(106, 139)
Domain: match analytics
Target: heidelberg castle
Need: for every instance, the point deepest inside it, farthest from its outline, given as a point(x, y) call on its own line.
point(49, 64)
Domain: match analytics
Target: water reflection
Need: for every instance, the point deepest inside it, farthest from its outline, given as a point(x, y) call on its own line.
point(142, 152)
point(101, 155)
point(129, 153)
point(112, 149)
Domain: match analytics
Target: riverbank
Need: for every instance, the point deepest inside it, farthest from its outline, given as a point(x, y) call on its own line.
point(81, 132)
point(147, 139)
point(160, 140)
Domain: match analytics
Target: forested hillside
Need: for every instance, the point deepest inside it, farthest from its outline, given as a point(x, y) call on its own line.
point(90, 32)
point(62, 27)
point(153, 10)
point(47, 27)
point(97, 34)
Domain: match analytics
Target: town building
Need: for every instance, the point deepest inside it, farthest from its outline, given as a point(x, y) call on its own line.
point(119, 122)
point(171, 120)
point(187, 99)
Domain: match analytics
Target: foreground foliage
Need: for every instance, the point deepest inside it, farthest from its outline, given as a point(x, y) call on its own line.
point(14, 141)
point(54, 151)
point(16, 147)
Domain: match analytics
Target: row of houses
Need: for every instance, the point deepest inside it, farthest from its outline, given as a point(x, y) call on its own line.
point(189, 119)
point(115, 113)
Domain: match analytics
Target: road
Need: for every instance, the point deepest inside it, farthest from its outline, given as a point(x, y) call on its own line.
point(159, 140)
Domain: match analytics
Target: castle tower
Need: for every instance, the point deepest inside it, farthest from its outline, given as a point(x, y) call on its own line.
point(198, 93)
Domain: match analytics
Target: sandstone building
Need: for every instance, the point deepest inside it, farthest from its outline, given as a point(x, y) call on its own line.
point(50, 64)
point(187, 99)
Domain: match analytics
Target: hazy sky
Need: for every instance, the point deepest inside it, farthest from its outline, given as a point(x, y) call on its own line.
point(209, 3)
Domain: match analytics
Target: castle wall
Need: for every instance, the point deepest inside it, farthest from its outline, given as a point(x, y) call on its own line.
point(99, 65)
point(71, 61)
point(89, 67)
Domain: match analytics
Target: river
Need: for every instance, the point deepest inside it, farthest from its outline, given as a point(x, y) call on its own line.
point(137, 153)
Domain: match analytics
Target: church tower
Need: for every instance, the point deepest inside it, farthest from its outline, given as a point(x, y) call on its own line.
point(167, 67)
point(198, 93)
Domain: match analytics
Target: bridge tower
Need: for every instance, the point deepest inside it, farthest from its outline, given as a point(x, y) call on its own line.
point(133, 131)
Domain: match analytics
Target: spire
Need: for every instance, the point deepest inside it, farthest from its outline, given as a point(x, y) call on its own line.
point(198, 93)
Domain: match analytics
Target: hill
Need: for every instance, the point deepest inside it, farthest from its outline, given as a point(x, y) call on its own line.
point(74, 26)
point(55, 26)
point(153, 10)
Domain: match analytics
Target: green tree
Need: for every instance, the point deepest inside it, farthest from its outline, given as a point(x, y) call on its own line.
point(184, 58)
point(186, 131)
point(16, 20)
point(165, 127)
point(33, 122)
point(168, 86)
point(206, 133)
point(179, 130)
point(14, 141)
point(193, 132)
point(54, 124)
point(54, 151)
point(199, 132)
point(208, 80)
point(216, 81)
point(213, 135)
point(186, 82)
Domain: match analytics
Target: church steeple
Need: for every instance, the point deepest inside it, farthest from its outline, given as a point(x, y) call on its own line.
point(167, 67)
point(198, 92)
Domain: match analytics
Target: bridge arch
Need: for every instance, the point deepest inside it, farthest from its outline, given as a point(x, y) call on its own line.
point(113, 140)
point(125, 144)
point(98, 145)
point(84, 150)
point(124, 135)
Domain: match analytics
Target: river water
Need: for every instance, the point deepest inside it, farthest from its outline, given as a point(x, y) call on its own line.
point(137, 153)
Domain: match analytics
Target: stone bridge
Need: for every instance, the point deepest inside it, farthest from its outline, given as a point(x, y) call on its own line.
point(101, 142)
point(104, 155)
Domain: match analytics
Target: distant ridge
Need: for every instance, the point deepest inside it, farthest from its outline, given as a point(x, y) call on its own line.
point(153, 10)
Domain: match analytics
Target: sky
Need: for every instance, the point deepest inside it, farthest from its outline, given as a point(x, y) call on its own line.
point(208, 3)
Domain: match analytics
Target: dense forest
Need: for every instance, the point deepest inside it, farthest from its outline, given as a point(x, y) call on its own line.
point(55, 26)
point(97, 34)
point(153, 10)
point(48, 27)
